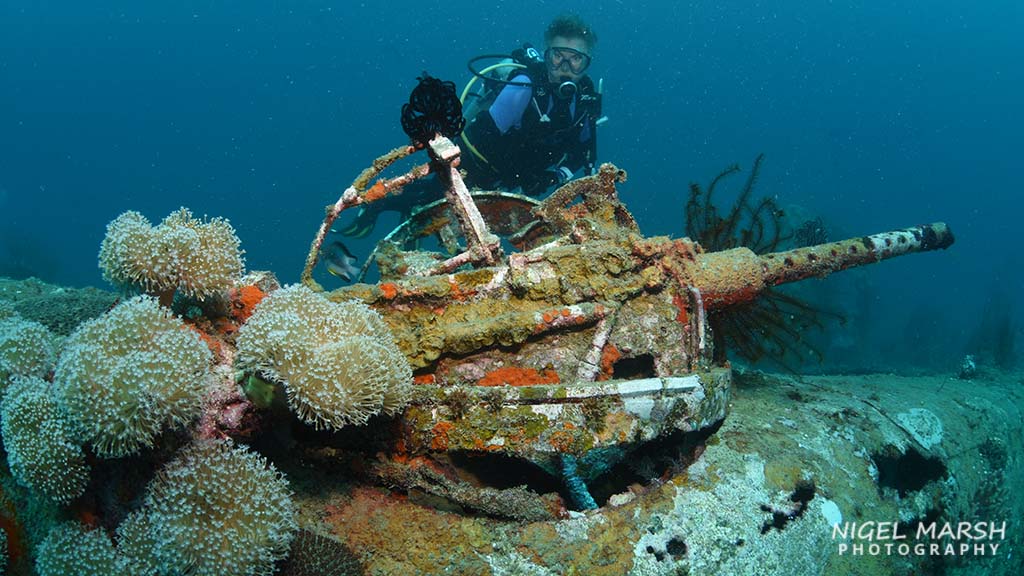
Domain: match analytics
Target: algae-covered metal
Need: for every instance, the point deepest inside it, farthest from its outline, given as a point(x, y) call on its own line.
point(589, 341)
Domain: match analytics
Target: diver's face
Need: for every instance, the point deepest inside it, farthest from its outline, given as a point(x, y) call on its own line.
point(566, 59)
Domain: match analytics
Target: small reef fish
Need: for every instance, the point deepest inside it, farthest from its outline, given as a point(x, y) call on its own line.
point(340, 261)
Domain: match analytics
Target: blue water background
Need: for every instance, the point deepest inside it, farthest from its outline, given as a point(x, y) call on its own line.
point(873, 115)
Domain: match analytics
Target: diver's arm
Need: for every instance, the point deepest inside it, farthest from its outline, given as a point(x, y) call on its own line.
point(580, 158)
point(577, 161)
point(484, 133)
point(492, 130)
point(584, 156)
point(510, 105)
point(589, 143)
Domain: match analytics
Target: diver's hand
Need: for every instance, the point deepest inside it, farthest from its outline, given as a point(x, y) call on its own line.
point(562, 175)
point(550, 177)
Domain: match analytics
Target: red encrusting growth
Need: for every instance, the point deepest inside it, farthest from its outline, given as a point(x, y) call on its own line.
point(440, 435)
point(459, 294)
point(680, 303)
point(244, 301)
point(376, 192)
point(212, 343)
point(515, 376)
point(389, 290)
point(563, 440)
point(609, 356)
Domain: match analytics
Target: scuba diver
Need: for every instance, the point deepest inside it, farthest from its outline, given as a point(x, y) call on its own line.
point(532, 126)
point(540, 129)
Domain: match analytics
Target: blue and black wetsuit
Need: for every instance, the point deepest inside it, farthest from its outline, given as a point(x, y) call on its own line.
point(532, 138)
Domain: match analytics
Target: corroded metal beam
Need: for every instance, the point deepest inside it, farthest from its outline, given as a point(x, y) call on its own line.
point(734, 276)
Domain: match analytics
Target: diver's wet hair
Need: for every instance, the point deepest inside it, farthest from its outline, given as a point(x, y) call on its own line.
point(570, 26)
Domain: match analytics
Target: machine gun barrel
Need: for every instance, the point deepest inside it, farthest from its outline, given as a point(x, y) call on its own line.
point(735, 276)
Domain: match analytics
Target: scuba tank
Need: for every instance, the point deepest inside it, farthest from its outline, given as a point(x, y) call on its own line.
point(486, 83)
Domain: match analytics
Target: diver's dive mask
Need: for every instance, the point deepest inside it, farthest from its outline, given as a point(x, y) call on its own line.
point(566, 60)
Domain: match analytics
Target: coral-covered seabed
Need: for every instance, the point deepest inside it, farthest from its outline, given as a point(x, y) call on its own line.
point(794, 456)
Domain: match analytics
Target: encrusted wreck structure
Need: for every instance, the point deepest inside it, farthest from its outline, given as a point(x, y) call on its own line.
point(571, 352)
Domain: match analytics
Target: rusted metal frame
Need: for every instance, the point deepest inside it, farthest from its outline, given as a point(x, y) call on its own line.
point(357, 194)
point(591, 189)
point(482, 247)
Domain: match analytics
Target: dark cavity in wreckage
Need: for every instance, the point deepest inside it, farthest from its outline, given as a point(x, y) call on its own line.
point(585, 344)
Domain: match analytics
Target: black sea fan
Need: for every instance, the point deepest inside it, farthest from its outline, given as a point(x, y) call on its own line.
point(433, 108)
point(773, 326)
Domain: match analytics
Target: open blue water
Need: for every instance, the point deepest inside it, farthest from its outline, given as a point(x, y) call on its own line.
point(873, 115)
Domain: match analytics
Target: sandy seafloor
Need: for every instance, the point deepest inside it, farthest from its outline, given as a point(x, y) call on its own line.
point(881, 448)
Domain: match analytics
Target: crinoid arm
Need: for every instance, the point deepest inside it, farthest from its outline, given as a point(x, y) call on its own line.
point(773, 326)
